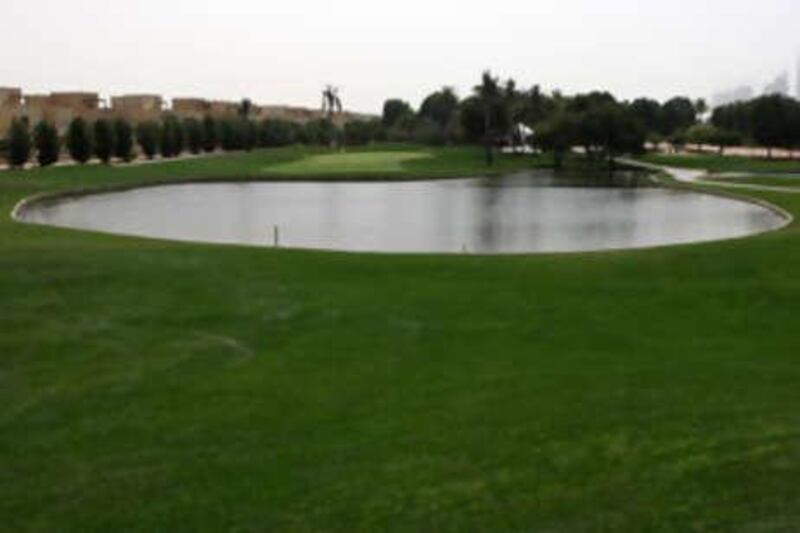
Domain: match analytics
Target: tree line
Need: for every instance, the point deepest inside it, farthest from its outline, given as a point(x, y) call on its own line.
point(770, 121)
point(495, 113)
point(116, 139)
point(499, 113)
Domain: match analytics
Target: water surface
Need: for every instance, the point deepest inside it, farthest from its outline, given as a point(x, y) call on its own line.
point(528, 212)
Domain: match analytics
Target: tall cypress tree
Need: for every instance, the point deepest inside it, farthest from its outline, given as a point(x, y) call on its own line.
point(79, 141)
point(19, 143)
point(123, 148)
point(48, 145)
point(194, 135)
point(210, 134)
point(104, 140)
point(148, 135)
point(171, 137)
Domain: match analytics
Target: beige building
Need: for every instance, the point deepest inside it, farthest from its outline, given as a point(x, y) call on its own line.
point(60, 108)
point(137, 107)
point(220, 108)
point(190, 107)
point(10, 107)
point(291, 114)
point(80, 102)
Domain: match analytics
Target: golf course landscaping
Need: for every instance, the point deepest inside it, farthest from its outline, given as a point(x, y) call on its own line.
point(150, 385)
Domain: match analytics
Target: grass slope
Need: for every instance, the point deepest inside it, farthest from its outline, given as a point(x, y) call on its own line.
point(147, 385)
point(772, 181)
point(715, 163)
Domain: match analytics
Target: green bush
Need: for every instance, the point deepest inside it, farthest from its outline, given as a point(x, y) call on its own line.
point(234, 134)
point(320, 132)
point(104, 140)
point(48, 145)
point(79, 141)
point(359, 132)
point(19, 143)
point(274, 133)
point(123, 133)
point(427, 131)
point(250, 134)
point(148, 135)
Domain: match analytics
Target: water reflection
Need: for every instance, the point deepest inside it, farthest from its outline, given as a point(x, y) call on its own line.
point(528, 212)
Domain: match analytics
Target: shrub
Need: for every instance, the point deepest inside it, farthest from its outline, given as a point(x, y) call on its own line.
point(19, 143)
point(360, 132)
point(210, 134)
point(148, 135)
point(79, 141)
point(403, 130)
point(274, 133)
point(104, 140)
point(48, 145)
point(194, 135)
point(320, 132)
point(233, 134)
point(123, 133)
point(427, 131)
point(249, 134)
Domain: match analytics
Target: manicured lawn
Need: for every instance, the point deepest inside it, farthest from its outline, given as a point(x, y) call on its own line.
point(773, 181)
point(157, 386)
point(716, 163)
point(391, 162)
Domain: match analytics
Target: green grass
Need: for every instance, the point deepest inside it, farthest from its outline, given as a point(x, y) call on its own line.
point(715, 163)
point(772, 181)
point(360, 162)
point(156, 386)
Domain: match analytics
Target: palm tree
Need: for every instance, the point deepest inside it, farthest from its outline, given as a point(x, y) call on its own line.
point(701, 108)
point(490, 95)
point(245, 108)
point(513, 114)
point(331, 102)
point(331, 105)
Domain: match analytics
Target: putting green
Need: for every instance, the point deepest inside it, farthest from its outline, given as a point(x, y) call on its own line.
point(389, 162)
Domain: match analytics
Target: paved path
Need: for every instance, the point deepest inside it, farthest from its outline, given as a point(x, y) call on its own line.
point(687, 175)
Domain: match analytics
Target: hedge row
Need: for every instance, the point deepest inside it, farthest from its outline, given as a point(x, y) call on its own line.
point(109, 140)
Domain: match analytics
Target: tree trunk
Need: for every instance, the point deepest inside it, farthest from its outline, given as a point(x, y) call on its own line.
point(489, 153)
point(487, 137)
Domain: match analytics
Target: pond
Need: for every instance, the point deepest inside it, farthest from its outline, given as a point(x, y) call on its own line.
point(528, 212)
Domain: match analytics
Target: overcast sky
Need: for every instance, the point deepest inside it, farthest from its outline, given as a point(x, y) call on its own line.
point(285, 51)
